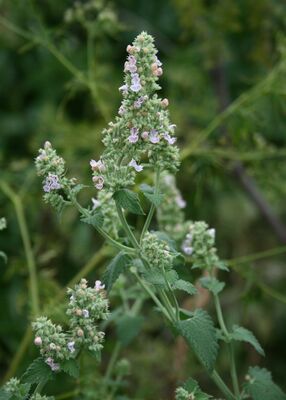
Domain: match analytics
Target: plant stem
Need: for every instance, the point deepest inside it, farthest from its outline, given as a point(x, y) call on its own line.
point(108, 238)
point(151, 294)
point(31, 264)
point(126, 227)
point(233, 371)
point(111, 364)
point(221, 385)
point(152, 208)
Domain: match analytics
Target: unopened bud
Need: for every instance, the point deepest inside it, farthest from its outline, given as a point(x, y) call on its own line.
point(165, 103)
point(38, 341)
point(80, 333)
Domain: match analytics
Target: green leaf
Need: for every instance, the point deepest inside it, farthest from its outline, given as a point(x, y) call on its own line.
point(193, 387)
point(156, 277)
point(185, 286)
point(71, 367)
point(5, 395)
point(115, 268)
point(222, 265)
point(200, 333)
point(241, 334)
point(128, 328)
point(95, 219)
point(37, 372)
point(260, 385)
point(212, 284)
point(128, 200)
point(149, 193)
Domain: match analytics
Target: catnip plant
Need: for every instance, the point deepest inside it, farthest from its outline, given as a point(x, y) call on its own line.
point(140, 143)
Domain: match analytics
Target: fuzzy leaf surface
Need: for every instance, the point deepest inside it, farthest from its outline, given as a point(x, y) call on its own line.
point(260, 385)
point(200, 333)
point(115, 268)
point(37, 372)
point(212, 284)
point(186, 286)
point(244, 335)
point(128, 200)
point(71, 368)
point(95, 219)
point(148, 192)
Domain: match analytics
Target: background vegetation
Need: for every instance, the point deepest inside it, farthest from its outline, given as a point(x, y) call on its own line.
point(224, 74)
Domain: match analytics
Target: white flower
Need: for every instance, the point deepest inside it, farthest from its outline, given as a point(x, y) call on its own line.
point(187, 249)
point(70, 346)
point(98, 182)
point(95, 203)
point(169, 139)
point(85, 313)
point(154, 137)
point(211, 232)
point(180, 202)
point(137, 167)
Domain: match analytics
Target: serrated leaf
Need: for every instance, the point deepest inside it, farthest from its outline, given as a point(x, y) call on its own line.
point(241, 334)
point(149, 193)
point(212, 284)
point(260, 385)
point(128, 328)
point(186, 286)
point(157, 278)
point(222, 265)
point(71, 367)
point(200, 333)
point(5, 395)
point(117, 266)
point(128, 200)
point(193, 387)
point(37, 372)
point(96, 219)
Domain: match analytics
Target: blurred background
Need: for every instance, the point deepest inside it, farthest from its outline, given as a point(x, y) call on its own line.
point(225, 76)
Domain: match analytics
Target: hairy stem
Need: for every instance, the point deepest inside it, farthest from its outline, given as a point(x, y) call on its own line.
point(233, 371)
point(126, 227)
point(152, 208)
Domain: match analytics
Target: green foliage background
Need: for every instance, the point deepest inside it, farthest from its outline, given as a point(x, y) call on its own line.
point(217, 55)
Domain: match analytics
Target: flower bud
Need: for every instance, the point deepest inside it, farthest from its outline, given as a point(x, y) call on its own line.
point(80, 333)
point(165, 103)
point(38, 341)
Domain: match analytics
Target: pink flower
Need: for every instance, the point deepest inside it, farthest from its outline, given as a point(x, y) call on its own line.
point(38, 341)
point(180, 202)
point(98, 286)
point(97, 165)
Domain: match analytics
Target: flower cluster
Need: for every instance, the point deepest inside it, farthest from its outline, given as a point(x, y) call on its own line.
point(86, 307)
point(156, 252)
point(199, 243)
point(142, 132)
point(52, 342)
point(183, 394)
point(52, 168)
point(38, 396)
point(15, 389)
point(170, 214)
